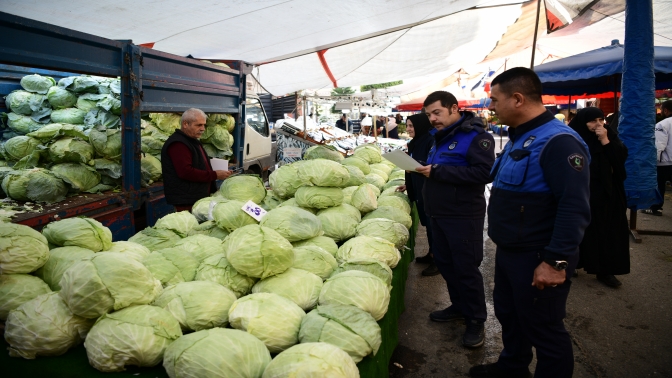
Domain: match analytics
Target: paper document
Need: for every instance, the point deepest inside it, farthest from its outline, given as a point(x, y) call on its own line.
point(219, 164)
point(401, 160)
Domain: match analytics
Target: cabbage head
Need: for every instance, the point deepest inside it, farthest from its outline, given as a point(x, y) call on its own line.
point(166, 122)
point(209, 228)
point(230, 216)
point(201, 209)
point(347, 327)
point(356, 176)
point(130, 249)
point(395, 233)
point(17, 289)
point(382, 167)
point(338, 225)
point(375, 179)
point(219, 137)
point(197, 305)
point(110, 104)
point(106, 143)
point(359, 289)
point(293, 223)
point(398, 175)
point(171, 265)
point(217, 352)
point(201, 246)
point(37, 83)
point(318, 197)
point(347, 194)
point(322, 152)
point(79, 84)
point(70, 150)
point(150, 167)
point(324, 242)
point(55, 130)
point(22, 124)
point(373, 266)
point(60, 259)
point(36, 184)
point(392, 192)
point(323, 172)
point(72, 116)
point(155, 239)
point(315, 260)
point(80, 177)
point(44, 326)
point(358, 162)
point(312, 360)
point(80, 232)
point(369, 247)
point(285, 180)
point(364, 198)
point(342, 209)
point(299, 286)
point(22, 249)
point(23, 102)
point(292, 202)
point(392, 213)
point(216, 268)
point(271, 201)
point(273, 319)
point(258, 251)
point(243, 188)
point(394, 183)
point(19, 147)
point(60, 98)
point(137, 335)
point(380, 173)
point(180, 223)
point(88, 101)
point(394, 201)
point(369, 153)
point(100, 117)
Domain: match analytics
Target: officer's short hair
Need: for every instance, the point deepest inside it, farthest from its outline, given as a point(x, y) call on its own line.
point(666, 105)
point(191, 115)
point(521, 80)
point(446, 98)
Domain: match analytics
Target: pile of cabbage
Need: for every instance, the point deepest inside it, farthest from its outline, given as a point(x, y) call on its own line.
point(215, 292)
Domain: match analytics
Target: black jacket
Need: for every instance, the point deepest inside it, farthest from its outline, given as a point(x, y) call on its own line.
point(179, 191)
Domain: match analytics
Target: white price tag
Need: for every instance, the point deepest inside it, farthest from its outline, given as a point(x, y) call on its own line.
point(292, 152)
point(254, 210)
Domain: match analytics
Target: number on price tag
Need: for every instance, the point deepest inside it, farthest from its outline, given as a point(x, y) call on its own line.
point(292, 152)
point(254, 210)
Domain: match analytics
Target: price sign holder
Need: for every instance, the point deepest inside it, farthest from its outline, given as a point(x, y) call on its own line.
point(254, 210)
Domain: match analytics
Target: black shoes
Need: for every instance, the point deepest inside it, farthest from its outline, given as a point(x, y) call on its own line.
point(446, 315)
point(492, 371)
point(431, 270)
point(426, 259)
point(609, 280)
point(474, 336)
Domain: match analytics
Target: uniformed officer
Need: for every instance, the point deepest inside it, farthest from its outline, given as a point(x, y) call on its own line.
point(539, 210)
point(458, 168)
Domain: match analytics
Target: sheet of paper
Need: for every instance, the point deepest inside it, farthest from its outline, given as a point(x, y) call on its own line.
point(401, 160)
point(219, 164)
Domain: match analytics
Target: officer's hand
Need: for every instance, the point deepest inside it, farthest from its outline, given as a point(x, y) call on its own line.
point(545, 276)
point(424, 170)
point(401, 188)
point(222, 175)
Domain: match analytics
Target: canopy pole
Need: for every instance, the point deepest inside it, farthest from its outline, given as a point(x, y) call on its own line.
point(569, 107)
point(304, 117)
point(536, 28)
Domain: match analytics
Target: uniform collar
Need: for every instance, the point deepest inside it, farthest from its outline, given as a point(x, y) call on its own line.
point(532, 124)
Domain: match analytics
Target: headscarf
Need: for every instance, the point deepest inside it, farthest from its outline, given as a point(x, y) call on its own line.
point(421, 125)
point(580, 124)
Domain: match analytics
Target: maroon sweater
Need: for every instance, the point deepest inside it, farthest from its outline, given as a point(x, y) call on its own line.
point(180, 155)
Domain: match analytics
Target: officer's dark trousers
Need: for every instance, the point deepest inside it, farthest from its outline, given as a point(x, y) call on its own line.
point(531, 317)
point(458, 252)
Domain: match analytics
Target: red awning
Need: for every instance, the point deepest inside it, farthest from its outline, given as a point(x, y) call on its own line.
point(417, 106)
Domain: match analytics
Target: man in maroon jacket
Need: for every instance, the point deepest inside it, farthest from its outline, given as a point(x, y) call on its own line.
point(187, 173)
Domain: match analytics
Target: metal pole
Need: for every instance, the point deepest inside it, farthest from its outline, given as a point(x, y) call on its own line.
point(536, 28)
point(304, 117)
point(569, 107)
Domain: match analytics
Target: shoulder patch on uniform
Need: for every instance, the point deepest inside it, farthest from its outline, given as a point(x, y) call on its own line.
point(529, 141)
point(452, 145)
point(576, 161)
point(485, 144)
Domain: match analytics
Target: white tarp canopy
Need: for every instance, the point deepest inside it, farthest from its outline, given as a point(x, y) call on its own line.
point(297, 42)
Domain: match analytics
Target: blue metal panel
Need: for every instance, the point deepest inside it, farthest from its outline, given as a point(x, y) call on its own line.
point(130, 119)
point(168, 97)
point(36, 44)
point(239, 132)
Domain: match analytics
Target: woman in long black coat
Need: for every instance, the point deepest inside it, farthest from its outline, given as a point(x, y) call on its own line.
point(605, 249)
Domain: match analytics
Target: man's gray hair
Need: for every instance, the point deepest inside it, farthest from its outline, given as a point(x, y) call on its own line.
point(191, 115)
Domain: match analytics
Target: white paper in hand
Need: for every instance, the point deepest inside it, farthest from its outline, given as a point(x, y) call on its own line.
point(401, 160)
point(219, 164)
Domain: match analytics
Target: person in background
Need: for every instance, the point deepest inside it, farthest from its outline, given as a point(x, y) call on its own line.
point(187, 173)
point(391, 128)
point(419, 128)
point(664, 155)
point(366, 124)
point(605, 249)
point(344, 123)
point(398, 118)
point(380, 126)
point(457, 169)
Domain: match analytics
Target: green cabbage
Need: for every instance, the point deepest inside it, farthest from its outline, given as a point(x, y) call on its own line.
point(293, 223)
point(271, 201)
point(392, 192)
point(323, 172)
point(322, 152)
point(219, 137)
point(324, 242)
point(342, 209)
point(155, 239)
point(380, 173)
point(216, 268)
point(318, 197)
point(171, 265)
point(360, 163)
point(375, 179)
point(22, 124)
point(300, 286)
point(44, 326)
point(70, 150)
point(395, 233)
point(392, 213)
point(394, 201)
point(60, 98)
point(285, 180)
point(54, 130)
point(347, 327)
point(347, 194)
point(100, 117)
point(273, 319)
point(4, 171)
point(106, 143)
point(369, 247)
point(60, 259)
point(373, 266)
point(201, 246)
point(338, 224)
point(137, 335)
point(209, 228)
point(72, 116)
point(150, 167)
point(216, 352)
point(258, 252)
point(394, 183)
point(369, 153)
point(37, 83)
point(357, 288)
point(244, 188)
point(312, 360)
point(230, 216)
point(20, 146)
point(213, 152)
point(106, 282)
point(364, 198)
point(130, 249)
point(315, 260)
point(22, 249)
point(292, 202)
point(35, 184)
point(79, 176)
point(110, 104)
point(88, 101)
point(201, 209)
point(397, 175)
point(356, 176)
point(23, 102)
point(197, 305)
point(17, 289)
point(382, 167)
point(166, 122)
point(180, 223)
point(79, 84)
point(81, 232)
